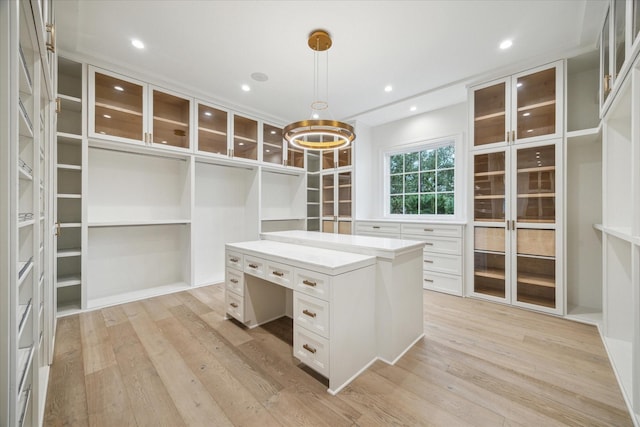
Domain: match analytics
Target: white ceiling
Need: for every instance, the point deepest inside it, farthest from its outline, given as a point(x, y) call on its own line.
point(427, 50)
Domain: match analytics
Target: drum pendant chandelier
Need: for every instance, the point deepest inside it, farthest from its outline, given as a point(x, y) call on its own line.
point(316, 133)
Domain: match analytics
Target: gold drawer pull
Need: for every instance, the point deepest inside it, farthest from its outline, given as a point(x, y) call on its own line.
point(428, 244)
point(234, 280)
point(253, 266)
point(429, 261)
point(309, 283)
point(234, 259)
point(428, 229)
point(309, 313)
point(309, 348)
point(234, 305)
point(428, 280)
point(278, 273)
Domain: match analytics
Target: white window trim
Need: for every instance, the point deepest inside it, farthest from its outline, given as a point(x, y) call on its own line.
point(426, 144)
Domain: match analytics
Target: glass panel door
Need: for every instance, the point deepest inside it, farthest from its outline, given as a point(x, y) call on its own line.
point(272, 145)
point(536, 208)
point(489, 114)
point(636, 19)
point(212, 130)
point(619, 32)
point(295, 157)
point(490, 239)
point(245, 138)
point(344, 157)
point(171, 118)
point(344, 203)
point(604, 60)
point(536, 104)
point(118, 107)
point(328, 202)
point(328, 161)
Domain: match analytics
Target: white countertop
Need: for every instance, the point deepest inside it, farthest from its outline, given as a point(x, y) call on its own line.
point(415, 221)
point(381, 247)
point(326, 261)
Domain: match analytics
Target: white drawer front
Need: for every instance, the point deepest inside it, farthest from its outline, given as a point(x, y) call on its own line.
point(234, 259)
point(442, 283)
point(451, 264)
point(311, 283)
point(311, 313)
point(279, 273)
point(443, 245)
point(423, 230)
point(235, 305)
point(312, 350)
point(234, 281)
point(374, 228)
point(253, 265)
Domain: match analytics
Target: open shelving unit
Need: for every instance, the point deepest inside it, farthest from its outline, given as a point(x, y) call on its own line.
point(282, 200)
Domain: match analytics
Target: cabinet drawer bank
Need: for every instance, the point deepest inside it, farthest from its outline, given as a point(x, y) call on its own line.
point(333, 302)
point(398, 283)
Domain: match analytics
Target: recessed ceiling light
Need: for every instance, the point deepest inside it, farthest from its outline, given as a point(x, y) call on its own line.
point(519, 84)
point(267, 150)
point(388, 88)
point(506, 44)
point(106, 116)
point(119, 88)
point(413, 108)
point(246, 88)
point(240, 143)
point(207, 113)
point(273, 132)
point(529, 130)
point(137, 43)
point(315, 115)
point(164, 142)
point(526, 114)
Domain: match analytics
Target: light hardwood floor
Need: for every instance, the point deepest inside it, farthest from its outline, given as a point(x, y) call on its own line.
point(173, 361)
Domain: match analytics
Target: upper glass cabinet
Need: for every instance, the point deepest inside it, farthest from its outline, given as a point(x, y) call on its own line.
point(212, 130)
point(171, 118)
point(521, 108)
point(118, 107)
point(245, 138)
point(272, 144)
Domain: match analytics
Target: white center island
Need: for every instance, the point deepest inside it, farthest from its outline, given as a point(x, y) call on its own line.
point(355, 299)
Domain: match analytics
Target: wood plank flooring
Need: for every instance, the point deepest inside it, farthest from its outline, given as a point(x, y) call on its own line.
point(174, 361)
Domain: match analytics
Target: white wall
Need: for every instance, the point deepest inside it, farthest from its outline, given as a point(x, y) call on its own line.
point(444, 122)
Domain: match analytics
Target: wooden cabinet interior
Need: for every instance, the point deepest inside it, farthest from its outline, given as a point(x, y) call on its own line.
point(245, 138)
point(489, 186)
point(118, 107)
point(212, 130)
point(171, 119)
point(489, 115)
point(536, 184)
point(536, 106)
point(272, 144)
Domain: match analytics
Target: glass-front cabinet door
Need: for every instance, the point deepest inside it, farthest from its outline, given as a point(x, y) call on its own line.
point(118, 107)
point(619, 34)
point(490, 113)
point(245, 138)
point(490, 246)
point(212, 130)
point(518, 109)
point(171, 119)
point(605, 62)
point(336, 202)
point(272, 144)
point(535, 233)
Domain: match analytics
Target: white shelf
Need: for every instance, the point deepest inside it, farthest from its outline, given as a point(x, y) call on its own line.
point(135, 223)
point(65, 281)
point(284, 219)
point(69, 167)
point(23, 314)
point(590, 316)
point(65, 253)
point(584, 136)
point(68, 309)
point(622, 233)
point(70, 225)
point(25, 356)
point(70, 98)
point(69, 137)
point(69, 196)
point(26, 223)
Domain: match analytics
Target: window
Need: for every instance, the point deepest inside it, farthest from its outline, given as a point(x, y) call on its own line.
point(421, 181)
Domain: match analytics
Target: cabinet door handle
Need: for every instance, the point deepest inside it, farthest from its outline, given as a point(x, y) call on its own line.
point(428, 280)
point(278, 273)
point(234, 259)
point(428, 244)
point(506, 138)
point(234, 280)
point(309, 348)
point(428, 261)
point(58, 229)
point(58, 105)
point(309, 313)
point(309, 283)
point(513, 224)
point(375, 227)
point(430, 230)
point(513, 136)
point(51, 46)
point(234, 305)
point(253, 266)
point(607, 83)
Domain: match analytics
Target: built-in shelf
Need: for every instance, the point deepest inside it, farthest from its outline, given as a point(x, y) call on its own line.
point(585, 135)
point(138, 223)
point(69, 196)
point(65, 253)
point(69, 167)
point(70, 225)
point(538, 105)
point(71, 280)
point(537, 280)
point(26, 223)
point(490, 273)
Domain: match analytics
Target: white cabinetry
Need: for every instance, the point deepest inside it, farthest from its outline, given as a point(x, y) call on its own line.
point(336, 191)
point(127, 110)
point(26, 297)
point(442, 254)
point(326, 286)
